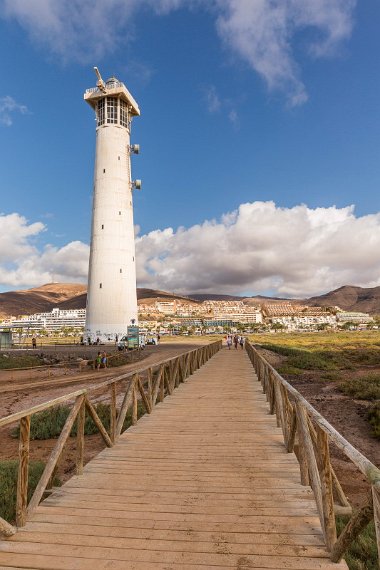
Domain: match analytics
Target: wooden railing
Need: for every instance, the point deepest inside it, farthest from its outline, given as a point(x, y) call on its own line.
point(151, 384)
point(309, 434)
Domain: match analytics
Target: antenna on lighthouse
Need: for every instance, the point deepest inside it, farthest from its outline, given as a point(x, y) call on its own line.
point(100, 84)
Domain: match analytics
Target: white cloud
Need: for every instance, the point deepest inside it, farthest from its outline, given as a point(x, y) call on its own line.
point(8, 106)
point(291, 251)
point(260, 32)
point(23, 264)
point(295, 251)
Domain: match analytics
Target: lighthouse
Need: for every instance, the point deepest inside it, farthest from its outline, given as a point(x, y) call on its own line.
point(111, 293)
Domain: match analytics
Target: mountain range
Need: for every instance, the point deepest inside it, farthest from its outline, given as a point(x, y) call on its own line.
point(73, 296)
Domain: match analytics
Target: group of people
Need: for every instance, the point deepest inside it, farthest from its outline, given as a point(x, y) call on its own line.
point(101, 360)
point(235, 340)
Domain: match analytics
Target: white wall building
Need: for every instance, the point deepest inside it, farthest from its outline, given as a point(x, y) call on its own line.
point(54, 321)
point(111, 298)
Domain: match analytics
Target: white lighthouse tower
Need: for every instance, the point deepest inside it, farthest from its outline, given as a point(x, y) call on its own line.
point(111, 294)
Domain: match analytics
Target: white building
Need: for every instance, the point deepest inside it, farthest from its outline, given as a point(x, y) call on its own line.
point(353, 317)
point(111, 298)
point(294, 323)
point(54, 321)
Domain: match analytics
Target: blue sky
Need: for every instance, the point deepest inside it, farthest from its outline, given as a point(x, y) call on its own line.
point(249, 110)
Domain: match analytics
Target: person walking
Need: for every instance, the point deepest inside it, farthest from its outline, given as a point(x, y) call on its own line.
point(98, 361)
point(236, 341)
point(241, 342)
point(34, 342)
point(229, 342)
point(104, 360)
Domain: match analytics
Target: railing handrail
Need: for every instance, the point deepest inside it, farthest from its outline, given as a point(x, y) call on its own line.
point(161, 378)
point(307, 431)
point(6, 420)
point(362, 463)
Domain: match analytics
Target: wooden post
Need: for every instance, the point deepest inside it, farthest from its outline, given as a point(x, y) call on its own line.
point(6, 529)
point(54, 456)
point(376, 512)
point(150, 393)
point(97, 421)
point(80, 438)
point(167, 380)
point(134, 406)
point(311, 460)
point(292, 430)
point(143, 395)
point(156, 386)
point(301, 456)
point(113, 412)
point(124, 406)
point(162, 384)
point(23, 469)
point(323, 459)
point(354, 527)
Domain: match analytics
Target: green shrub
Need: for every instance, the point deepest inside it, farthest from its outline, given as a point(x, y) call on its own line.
point(8, 486)
point(286, 369)
point(49, 423)
point(19, 361)
point(305, 359)
point(362, 554)
point(118, 359)
point(363, 388)
point(374, 420)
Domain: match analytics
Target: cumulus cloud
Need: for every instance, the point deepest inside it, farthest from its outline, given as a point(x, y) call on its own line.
point(260, 247)
point(8, 106)
point(257, 248)
point(260, 32)
point(24, 264)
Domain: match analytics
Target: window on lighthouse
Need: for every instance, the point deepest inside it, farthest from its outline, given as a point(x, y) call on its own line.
point(111, 110)
point(100, 114)
point(124, 113)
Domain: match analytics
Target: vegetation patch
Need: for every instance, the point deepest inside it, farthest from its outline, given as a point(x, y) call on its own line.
point(19, 361)
point(8, 486)
point(362, 554)
point(118, 359)
point(48, 424)
point(365, 387)
point(306, 359)
point(374, 420)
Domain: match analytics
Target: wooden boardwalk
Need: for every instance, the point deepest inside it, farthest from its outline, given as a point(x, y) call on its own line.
point(203, 482)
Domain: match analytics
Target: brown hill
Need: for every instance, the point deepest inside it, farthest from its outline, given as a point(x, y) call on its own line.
point(38, 299)
point(62, 295)
point(351, 298)
point(73, 296)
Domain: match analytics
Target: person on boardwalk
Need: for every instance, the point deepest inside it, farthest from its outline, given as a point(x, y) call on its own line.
point(98, 361)
point(241, 342)
point(104, 360)
point(236, 341)
point(229, 342)
point(34, 342)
